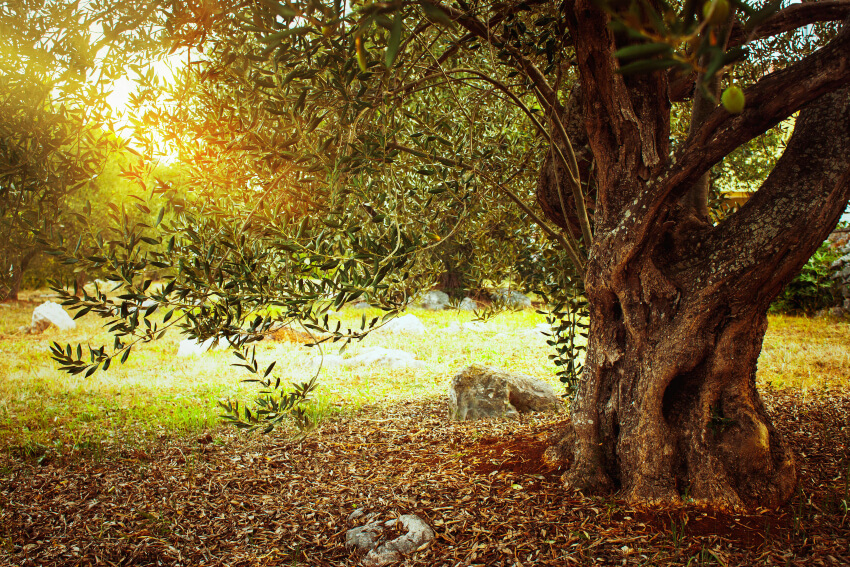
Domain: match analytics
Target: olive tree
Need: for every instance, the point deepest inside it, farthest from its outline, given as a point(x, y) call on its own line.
point(56, 128)
point(667, 402)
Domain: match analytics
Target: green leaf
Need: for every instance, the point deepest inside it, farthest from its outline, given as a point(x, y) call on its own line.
point(395, 39)
point(436, 14)
point(647, 66)
point(643, 51)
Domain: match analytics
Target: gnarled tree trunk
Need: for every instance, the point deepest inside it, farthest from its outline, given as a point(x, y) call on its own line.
point(678, 307)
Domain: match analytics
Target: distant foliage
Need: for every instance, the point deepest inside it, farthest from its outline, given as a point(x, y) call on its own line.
point(812, 289)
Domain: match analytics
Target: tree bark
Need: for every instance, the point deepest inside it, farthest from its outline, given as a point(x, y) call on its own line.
point(13, 288)
point(668, 404)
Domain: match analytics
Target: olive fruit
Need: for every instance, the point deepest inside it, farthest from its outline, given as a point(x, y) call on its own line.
point(733, 99)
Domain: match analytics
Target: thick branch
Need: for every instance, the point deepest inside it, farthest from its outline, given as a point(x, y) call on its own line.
point(791, 18)
point(799, 203)
point(771, 100)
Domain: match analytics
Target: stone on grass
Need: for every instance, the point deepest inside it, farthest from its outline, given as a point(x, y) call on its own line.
point(191, 347)
point(361, 305)
point(435, 300)
point(407, 324)
point(379, 356)
point(468, 304)
point(478, 392)
point(416, 535)
point(47, 314)
point(511, 299)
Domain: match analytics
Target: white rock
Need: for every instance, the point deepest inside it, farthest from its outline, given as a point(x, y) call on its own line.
point(191, 347)
point(468, 304)
point(49, 313)
point(379, 356)
point(512, 299)
point(409, 324)
point(477, 392)
point(435, 300)
point(417, 535)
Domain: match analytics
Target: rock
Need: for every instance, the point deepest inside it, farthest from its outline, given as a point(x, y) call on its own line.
point(435, 300)
point(47, 314)
point(379, 356)
point(358, 513)
point(511, 299)
point(409, 324)
point(468, 304)
point(191, 347)
point(362, 305)
point(326, 361)
point(837, 311)
point(480, 391)
point(365, 538)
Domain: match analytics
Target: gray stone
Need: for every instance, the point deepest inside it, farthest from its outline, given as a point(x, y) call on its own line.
point(478, 392)
point(840, 262)
point(837, 312)
point(468, 304)
point(406, 324)
point(435, 300)
point(511, 299)
point(366, 538)
point(361, 305)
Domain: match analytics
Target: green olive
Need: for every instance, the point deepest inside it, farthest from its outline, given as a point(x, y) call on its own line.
point(733, 99)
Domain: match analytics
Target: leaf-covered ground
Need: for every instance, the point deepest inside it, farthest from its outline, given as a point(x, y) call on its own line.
point(228, 499)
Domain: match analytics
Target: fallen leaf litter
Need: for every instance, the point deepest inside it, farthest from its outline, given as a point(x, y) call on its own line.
point(236, 500)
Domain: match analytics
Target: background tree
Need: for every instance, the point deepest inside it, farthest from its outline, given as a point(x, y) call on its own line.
point(56, 133)
point(667, 402)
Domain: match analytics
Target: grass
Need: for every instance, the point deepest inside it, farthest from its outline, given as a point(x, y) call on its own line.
point(156, 394)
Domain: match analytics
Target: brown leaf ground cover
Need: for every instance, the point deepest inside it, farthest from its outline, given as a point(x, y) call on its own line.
point(236, 500)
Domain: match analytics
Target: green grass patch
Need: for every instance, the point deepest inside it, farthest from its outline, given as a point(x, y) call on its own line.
point(157, 394)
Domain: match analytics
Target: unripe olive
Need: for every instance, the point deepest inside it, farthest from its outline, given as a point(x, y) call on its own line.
point(733, 99)
point(716, 12)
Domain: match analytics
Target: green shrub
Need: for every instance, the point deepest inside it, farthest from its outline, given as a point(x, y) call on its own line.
point(812, 289)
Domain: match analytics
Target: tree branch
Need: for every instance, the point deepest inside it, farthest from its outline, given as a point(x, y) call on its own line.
point(475, 26)
point(791, 18)
point(822, 72)
point(570, 247)
point(495, 20)
point(791, 214)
